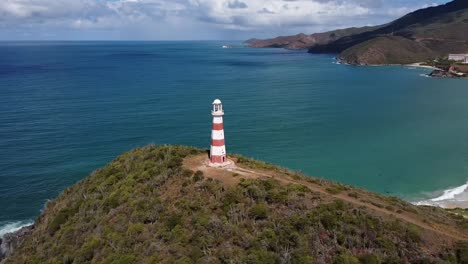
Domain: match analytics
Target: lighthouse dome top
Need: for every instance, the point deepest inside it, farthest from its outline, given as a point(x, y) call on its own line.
point(217, 102)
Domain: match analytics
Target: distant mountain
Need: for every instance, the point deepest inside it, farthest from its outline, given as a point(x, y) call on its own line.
point(159, 204)
point(303, 41)
point(418, 36)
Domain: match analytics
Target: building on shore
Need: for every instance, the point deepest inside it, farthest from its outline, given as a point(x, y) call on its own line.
point(459, 57)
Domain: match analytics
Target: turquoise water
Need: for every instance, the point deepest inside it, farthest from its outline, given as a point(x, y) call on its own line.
point(68, 108)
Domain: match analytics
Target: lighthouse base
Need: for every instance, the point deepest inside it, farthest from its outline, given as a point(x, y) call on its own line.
point(228, 163)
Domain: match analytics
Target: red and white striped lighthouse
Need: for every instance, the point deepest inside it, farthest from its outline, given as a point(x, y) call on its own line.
point(218, 147)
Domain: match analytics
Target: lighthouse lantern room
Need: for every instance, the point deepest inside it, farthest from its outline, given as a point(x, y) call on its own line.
point(218, 147)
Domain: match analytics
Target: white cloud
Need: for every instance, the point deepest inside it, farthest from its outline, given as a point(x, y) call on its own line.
point(180, 16)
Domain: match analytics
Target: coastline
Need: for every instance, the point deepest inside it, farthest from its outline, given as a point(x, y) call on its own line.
point(12, 227)
point(419, 65)
point(416, 64)
point(436, 72)
point(450, 198)
point(12, 236)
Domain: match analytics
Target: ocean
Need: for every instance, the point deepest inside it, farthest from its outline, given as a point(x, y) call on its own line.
point(68, 108)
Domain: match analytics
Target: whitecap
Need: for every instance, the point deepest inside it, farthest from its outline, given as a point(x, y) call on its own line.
point(450, 198)
point(10, 227)
point(451, 193)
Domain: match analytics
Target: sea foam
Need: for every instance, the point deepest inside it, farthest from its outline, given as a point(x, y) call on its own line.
point(453, 197)
point(10, 227)
point(451, 193)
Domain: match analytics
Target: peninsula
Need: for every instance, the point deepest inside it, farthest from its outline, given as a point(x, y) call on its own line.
point(163, 204)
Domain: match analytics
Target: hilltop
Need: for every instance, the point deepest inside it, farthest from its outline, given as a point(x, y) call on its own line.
point(303, 41)
point(416, 37)
point(161, 204)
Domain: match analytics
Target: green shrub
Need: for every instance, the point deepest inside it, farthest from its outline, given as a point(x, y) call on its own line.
point(393, 259)
point(414, 233)
point(388, 246)
point(112, 201)
point(345, 258)
point(329, 220)
point(313, 180)
point(270, 184)
point(184, 260)
point(172, 221)
point(261, 256)
point(87, 250)
point(462, 251)
point(335, 189)
point(259, 211)
point(232, 196)
point(298, 188)
point(277, 196)
point(370, 259)
point(198, 176)
point(302, 260)
point(135, 228)
point(61, 219)
point(120, 259)
point(256, 192)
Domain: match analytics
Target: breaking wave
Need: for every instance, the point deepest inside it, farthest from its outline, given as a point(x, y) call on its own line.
point(450, 198)
point(9, 227)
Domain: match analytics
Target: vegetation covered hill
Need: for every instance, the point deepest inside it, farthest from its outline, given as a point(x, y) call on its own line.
point(303, 41)
point(159, 204)
point(416, 37)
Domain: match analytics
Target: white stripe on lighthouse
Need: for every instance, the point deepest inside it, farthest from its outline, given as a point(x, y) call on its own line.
point(218, 151)
point(217, 120)
point(217, 134)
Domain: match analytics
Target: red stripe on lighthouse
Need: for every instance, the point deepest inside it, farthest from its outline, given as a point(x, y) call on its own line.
point(218, 159)
point(218, 126)
point(217, 142)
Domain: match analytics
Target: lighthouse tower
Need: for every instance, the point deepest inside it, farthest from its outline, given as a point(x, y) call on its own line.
point(218, 147)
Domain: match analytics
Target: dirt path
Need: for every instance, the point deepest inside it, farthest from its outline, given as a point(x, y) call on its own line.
point(232, 175)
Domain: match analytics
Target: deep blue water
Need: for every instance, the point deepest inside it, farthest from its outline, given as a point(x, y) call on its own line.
point(68, 108)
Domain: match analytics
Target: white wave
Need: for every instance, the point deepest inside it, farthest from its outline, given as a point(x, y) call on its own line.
point(10, 227)
point(451, 193)
point(453, 197)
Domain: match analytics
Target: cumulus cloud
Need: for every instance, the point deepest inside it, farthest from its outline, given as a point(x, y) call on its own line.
point(237, 4)
point(191, 16)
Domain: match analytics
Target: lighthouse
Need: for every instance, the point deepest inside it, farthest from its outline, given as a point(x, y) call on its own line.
point(218, 147)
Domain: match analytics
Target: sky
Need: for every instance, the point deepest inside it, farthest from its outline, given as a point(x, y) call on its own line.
point(190, 19)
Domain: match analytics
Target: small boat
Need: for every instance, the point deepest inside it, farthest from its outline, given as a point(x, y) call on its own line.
point(226, 47)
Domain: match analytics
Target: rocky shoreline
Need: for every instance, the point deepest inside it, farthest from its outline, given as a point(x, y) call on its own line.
point(441, 74)
point(450, 72)
point(10, 241)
